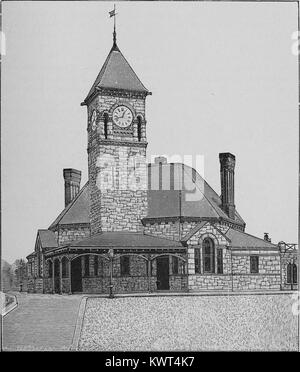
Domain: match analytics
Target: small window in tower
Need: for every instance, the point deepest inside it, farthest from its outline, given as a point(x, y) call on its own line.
point(139, 128)
point(106, 125)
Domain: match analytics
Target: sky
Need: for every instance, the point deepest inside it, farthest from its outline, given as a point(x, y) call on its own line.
point(223, 79)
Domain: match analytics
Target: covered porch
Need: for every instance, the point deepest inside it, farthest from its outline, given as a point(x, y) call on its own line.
point(112, 263)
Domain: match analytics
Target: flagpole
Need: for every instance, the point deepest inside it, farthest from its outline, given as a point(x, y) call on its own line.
point(115, 34)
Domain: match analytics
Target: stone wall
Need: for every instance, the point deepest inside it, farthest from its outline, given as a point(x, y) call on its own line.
point(115, 205)
point(173, 230)
point(117, 188)
point(69, 233)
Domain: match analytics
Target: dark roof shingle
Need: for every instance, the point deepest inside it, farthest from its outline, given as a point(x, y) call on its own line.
point(116, 73)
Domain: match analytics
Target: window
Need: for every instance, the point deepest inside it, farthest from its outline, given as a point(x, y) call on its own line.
point(96, 266)
point(254, 262)
point(197, 261)
point(106, 125)
point(291, 273)
point(175, 265)
point(86, 265)
point(208, 256)
point(139, 128)
point(219, 261)
point(125, 265)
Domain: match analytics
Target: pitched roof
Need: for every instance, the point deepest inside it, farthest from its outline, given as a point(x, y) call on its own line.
point(47, 238)
point(77, 211)
point(125, 239)
point(241, 239)
point(116, 73)
point(190, 194)
point(203, 202)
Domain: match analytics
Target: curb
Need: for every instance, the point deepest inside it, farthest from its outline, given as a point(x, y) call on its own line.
point(190, 294)
point(78, 326)
point(10, 307)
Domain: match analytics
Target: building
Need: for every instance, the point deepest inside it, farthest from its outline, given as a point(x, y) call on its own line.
point(138, 227)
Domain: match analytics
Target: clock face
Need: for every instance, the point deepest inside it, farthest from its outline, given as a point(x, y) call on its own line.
point(122, 116)
point(93, 120)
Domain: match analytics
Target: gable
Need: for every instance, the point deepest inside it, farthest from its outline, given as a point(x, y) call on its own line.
point(77, 212)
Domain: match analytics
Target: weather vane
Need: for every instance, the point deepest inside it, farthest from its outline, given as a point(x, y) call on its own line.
point(113, 13)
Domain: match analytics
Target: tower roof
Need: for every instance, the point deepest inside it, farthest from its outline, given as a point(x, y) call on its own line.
point(116, 73)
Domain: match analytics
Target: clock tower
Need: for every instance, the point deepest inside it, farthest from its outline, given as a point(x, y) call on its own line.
point(117, 143)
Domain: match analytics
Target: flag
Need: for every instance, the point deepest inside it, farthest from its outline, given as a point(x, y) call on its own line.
point(112, 13)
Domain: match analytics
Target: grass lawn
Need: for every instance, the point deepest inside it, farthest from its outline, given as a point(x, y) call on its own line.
point(190, 323)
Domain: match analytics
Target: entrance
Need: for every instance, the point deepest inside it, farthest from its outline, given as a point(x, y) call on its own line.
point(76, 275)
point(162, 264)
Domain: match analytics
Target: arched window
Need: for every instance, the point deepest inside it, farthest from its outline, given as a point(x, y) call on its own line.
point(64, 264)
point(208, 255)
point(105, 117)
point(139, 128)
point(291, 273)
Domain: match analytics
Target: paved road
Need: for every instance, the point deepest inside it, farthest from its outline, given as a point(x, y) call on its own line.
point(41, 322)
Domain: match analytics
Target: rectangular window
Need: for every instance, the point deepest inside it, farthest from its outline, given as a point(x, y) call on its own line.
point(86, 265)
point(254, 263)
point(209, 260)
point(197, 261)
point(125, 265)
point(96, 265)
point(175, 265)
point(219, 261)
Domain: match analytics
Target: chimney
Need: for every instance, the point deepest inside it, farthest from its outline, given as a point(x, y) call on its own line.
point(227, 164)
point(266, 237)
point(72, 179)
point(160, 160)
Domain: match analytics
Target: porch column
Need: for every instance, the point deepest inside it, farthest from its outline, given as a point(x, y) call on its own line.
point(149, 273)
point(60, 276)
point(70, 276)
point(53, 280)
point(111, 258)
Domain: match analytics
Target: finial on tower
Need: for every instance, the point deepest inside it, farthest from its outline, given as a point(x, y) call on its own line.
point(113, 13)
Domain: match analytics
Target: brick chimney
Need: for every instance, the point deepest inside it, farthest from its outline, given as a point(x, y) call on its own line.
point(227, 164)
point(72, 179)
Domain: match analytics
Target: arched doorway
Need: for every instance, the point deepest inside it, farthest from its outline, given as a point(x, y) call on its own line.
point(56, 276)
point(76, 275)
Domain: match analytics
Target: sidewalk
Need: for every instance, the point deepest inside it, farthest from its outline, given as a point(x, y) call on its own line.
point(41, 322)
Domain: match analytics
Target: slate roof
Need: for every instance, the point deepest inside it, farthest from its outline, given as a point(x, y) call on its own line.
point(116, 73)
point(47, 238)
point(241, 239)
point(77, 211)
point(126, 239)
point(202, 201)
point(161, 203)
